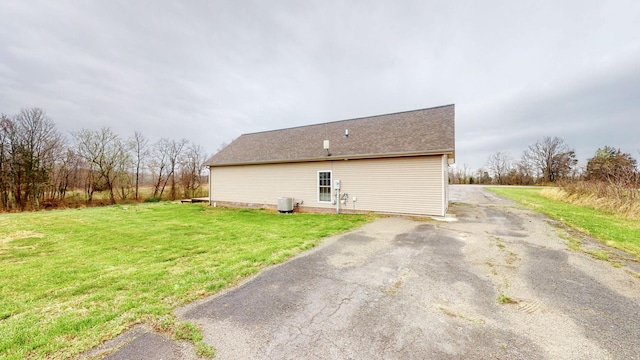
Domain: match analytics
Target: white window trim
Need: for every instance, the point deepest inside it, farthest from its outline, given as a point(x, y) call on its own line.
point(330, 186)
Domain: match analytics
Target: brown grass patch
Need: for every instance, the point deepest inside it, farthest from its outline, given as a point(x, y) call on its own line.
point(18, 235)
point(597, 196)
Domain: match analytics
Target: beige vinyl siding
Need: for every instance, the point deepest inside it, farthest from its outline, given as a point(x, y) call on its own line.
point(397, 185)
point(264, 184)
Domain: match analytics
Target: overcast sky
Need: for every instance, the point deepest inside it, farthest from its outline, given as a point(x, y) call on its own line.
point(210, 71)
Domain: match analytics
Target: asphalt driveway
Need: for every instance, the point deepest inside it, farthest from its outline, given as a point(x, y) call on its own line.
point(500, 282)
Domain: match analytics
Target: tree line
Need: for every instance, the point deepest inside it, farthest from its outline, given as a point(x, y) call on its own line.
point(39, 166)
point(551, 160)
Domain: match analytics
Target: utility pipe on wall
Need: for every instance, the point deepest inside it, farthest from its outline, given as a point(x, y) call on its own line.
point(336, 187)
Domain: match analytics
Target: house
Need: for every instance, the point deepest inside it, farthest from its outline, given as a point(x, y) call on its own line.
point(393, 163)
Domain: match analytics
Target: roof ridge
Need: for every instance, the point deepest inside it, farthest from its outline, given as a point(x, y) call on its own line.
point(344, 120)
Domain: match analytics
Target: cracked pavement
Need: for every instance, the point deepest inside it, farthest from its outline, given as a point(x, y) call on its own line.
point(401, 288)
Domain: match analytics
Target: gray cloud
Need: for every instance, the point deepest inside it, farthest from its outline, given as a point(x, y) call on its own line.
point(212, 70)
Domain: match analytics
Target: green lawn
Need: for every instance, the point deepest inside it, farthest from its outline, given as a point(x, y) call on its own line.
point(74, 278)
point(613, 230)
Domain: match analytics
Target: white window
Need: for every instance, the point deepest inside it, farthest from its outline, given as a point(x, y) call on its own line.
point(324, 186)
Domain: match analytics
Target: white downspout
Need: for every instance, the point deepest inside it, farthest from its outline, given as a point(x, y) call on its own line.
point(445, 184)
point(210, 186)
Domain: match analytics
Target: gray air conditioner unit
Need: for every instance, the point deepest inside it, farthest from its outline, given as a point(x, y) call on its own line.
point(285, 205)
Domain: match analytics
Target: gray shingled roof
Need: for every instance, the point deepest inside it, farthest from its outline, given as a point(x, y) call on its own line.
point(418, 132)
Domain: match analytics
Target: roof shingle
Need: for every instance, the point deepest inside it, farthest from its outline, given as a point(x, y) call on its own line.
point(418, 132)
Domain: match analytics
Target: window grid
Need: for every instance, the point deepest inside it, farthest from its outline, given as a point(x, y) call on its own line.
point(324, 186)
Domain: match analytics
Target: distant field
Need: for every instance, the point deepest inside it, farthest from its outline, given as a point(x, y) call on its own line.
point(613, 230)
point(144, 192)
point(78, 198)
point(74, 278)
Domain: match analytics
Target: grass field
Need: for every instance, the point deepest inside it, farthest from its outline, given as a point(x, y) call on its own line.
point(611, 229)
point(74, 278)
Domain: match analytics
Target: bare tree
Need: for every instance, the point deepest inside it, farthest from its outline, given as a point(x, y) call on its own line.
point(176, 150)
point(139, 145)
point(191, 169)
point(124, 165)
point(522, 173)
point(103, 150)
point(454, 175)
point(465, 174)
point(166, 159)
point(459, 176)
point(31, 146)
point(552, 157)
point(36, 165)
point(66, 167)
point(482, 176)
point(499, 164)
point(158, 166)
point(5, 172)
